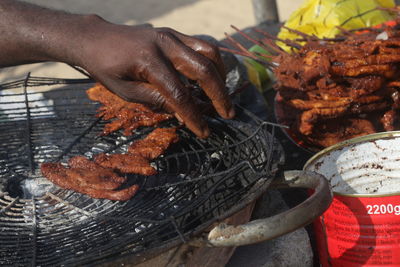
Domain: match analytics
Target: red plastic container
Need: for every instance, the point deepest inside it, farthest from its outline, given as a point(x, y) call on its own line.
point(362, 225)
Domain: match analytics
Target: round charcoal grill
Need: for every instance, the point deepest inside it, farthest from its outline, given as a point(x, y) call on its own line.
point(198, 181)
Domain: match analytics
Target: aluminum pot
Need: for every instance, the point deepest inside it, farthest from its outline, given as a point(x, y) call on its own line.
point(362, 226)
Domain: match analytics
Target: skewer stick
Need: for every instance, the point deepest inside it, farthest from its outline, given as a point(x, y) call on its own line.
point(336, 39)
point(243, 49)
point(236, 44)
point(241, 53)
point(287, 42)
point(366, 29)
point(261, 44)
point(271, 37)
point(390, 9)
point(263, 55)
point(246, 53)
point(302, 34)
point(249, 55)
point(269, 40)
point(344, 31)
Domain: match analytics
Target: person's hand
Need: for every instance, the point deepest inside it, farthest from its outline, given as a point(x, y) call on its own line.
point(139, 63)
point(144, 64)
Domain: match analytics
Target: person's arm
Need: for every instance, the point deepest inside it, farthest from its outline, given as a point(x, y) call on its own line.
point(32, 34)
point(139, 63)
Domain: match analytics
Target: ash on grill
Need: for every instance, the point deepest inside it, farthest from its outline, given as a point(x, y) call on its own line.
point(198, 181)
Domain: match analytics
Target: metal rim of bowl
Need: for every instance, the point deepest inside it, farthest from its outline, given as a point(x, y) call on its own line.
point(356, 140)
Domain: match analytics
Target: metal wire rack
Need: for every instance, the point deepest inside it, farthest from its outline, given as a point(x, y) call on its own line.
point(198, 181)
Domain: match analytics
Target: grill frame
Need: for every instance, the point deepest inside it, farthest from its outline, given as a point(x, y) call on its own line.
point(259, 185)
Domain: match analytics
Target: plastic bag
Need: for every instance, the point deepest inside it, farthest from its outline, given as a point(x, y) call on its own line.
point(322, 17)
point(257, 73)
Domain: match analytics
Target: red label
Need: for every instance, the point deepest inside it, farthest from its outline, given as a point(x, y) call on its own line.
point(360, 231)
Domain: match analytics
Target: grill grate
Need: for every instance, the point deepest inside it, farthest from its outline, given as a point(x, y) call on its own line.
point(199, 181)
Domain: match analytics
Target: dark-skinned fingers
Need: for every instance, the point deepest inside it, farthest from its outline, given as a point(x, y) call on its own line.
point(202, 102)
point(187, 112)
point(199, 68)
point(198, 93)
point(202, 47)
point(139, 92)
point(146, 93)
point(205, 106)
point(177, 96)
point(206, 49)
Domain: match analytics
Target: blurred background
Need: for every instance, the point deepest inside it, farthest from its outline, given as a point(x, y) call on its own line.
point(212, 17)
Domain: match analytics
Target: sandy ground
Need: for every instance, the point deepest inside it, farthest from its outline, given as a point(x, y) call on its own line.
point(212, 17)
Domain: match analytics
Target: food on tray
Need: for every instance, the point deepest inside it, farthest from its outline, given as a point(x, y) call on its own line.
point(125, 163)
point(77, 179)
point(94, 175)
point(140, 152)
point(126, 115)
point(330, 90)
point(352, 84)
point(154, 144)
point(101, 178)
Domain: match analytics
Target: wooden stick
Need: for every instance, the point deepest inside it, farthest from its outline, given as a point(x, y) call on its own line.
point(263, 55)
point(287, 42)
point(390, 9)
point(344, 31)
point(238, 52)
point(290, 43)
point(366, 29)
point(302, 34)
point(335, 39)
point(236, 43)
point(261, 44)
point(242, 48)
point(269, 40)
point(265, 63)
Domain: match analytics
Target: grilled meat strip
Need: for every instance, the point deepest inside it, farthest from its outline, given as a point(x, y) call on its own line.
point(126, 115)
point(126, 163)
point(154, 144)
point(98, 178)
point(67, 178)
